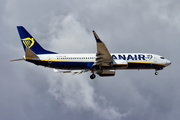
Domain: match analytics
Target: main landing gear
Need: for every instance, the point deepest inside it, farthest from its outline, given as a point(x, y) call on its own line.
point(93, 76)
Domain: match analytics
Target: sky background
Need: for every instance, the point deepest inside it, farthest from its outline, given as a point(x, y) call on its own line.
point(28, 92)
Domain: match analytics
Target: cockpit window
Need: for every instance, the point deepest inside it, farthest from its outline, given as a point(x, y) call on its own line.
point(162, 57)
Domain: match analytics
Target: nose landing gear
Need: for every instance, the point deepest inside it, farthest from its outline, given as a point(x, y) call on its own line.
point(156, 73)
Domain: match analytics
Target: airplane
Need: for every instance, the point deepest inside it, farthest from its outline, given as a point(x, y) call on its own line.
point(102, 63)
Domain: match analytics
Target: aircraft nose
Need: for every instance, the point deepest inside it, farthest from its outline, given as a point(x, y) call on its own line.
point(168, 62)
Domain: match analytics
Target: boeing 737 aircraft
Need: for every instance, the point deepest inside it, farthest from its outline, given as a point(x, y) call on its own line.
point(102, 63)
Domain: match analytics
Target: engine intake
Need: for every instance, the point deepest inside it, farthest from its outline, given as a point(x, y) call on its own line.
point(106, 72)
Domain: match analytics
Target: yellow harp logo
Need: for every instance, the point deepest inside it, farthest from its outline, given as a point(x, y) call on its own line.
point(28, 42)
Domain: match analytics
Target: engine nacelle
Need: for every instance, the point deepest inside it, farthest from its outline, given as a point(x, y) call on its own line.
point(120, 64)
point(106, 72)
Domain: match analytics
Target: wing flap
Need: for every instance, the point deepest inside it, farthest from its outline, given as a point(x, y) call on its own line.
point(70, 71)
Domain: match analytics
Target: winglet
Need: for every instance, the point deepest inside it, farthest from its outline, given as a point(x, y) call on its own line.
point(96, 37)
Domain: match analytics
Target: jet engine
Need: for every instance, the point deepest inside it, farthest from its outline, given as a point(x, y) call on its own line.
point(106, 72)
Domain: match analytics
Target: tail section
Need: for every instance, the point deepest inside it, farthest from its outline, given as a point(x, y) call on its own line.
point(29, 42)
point(28, 54)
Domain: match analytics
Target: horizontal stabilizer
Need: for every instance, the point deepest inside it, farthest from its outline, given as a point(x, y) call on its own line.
point(17, 59)
point(30, 54)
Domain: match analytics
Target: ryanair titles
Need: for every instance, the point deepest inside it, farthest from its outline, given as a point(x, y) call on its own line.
point(132, 57)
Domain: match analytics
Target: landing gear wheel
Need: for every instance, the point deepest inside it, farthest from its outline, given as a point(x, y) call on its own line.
point(92, 76)
point(156, 73)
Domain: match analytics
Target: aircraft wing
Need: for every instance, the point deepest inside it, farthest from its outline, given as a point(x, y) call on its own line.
point(103, 57)
point(70, 71)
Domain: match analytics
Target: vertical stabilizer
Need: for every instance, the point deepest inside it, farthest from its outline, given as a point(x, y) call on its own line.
point(29, 42)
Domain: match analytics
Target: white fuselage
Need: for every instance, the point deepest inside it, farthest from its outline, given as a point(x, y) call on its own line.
point(85, 61)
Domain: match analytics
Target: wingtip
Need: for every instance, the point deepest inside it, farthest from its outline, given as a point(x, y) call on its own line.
point(96, 36)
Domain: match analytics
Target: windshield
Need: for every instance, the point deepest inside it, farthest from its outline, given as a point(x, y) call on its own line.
point(162, 57)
